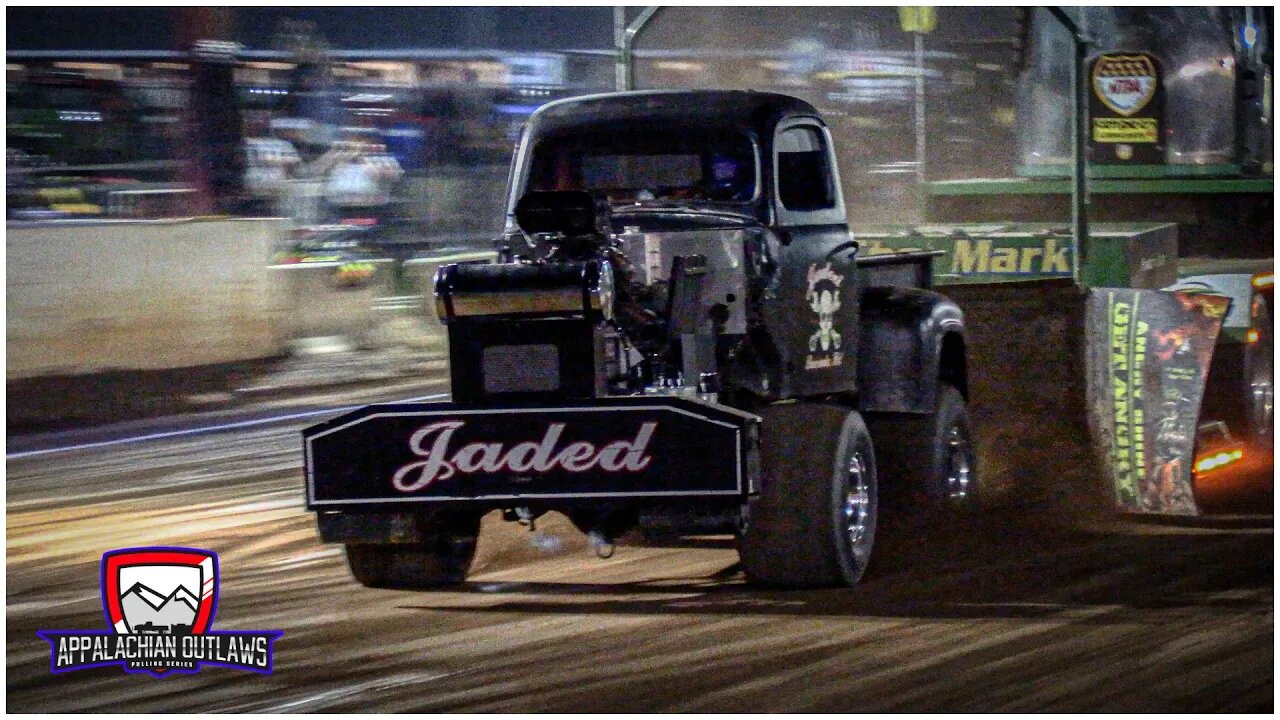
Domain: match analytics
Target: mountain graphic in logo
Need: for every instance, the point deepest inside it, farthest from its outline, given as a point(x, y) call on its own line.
point(159, 604)
point(148, 611)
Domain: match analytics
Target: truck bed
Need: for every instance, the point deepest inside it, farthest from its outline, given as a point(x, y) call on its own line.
point(911, 268)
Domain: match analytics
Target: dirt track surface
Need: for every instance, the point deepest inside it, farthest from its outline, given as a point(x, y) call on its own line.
point(1007, 613)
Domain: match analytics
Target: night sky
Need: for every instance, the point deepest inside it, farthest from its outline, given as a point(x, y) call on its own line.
point(513, 28)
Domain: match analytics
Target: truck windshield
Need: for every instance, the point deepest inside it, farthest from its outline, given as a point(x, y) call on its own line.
point(635, 166)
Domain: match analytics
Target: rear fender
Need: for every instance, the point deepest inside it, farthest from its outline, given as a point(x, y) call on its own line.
point(910, 340)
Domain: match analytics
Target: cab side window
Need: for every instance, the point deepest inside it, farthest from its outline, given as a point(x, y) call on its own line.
point(804, 174)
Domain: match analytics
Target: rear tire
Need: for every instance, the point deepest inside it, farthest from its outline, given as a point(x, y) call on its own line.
point(813, 523)
point(440, 560)
point(930, 455)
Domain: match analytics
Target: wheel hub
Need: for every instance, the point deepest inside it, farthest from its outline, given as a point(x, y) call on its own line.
point(1262, 394)
point(857, 501)
point(1259, 363)
point(1263, 404)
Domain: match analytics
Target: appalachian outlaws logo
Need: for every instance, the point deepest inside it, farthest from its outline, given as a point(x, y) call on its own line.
point(1124, 83)
point(159, 603)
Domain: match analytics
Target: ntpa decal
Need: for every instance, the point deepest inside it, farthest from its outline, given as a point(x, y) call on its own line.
point(1125, 83)
point(159, 604)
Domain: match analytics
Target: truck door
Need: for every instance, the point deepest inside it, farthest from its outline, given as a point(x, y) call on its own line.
point(814, 312)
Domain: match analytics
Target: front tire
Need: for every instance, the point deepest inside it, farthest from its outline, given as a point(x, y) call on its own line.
point(441, 559)
point(813, 523)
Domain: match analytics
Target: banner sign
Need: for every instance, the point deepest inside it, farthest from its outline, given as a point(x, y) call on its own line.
point(986, 258)
point(1126, 110)
point(1122, 254)
point(1148, 356)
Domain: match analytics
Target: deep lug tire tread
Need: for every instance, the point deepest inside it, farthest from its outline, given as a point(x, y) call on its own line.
point(442, 560)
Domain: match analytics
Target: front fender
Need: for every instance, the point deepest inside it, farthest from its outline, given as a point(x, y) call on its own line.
point(901, 358)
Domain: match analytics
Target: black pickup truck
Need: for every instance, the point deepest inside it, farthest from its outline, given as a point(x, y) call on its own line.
point(679, 336)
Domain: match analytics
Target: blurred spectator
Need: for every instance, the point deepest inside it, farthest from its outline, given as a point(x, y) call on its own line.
point(350, 176)
point(303, 200)
point(362, 181)
point(313, 96)
point(270, 163)
point(406, 140)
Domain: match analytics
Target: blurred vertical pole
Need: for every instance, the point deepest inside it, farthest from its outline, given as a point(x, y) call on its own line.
point(189, 25)
point(212, 158)
point(1079, 150)
point(920, 147)
point(627, 49)
point(918, 20)
point(619, 56)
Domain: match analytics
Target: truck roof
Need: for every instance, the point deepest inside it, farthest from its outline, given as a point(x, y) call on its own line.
point(746, 109)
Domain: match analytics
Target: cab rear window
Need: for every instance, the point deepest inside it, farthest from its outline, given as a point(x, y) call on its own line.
point(637, 165)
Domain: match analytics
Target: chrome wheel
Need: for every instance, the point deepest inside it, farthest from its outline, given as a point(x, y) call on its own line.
point(1261, 382)
point(857, 502)
point(1263, 400)
point(959, 466)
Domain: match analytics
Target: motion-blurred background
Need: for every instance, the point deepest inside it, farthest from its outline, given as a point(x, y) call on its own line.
point(169, 112)
point(219, 187)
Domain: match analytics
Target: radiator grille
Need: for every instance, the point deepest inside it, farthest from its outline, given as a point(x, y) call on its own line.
point(521, 368)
